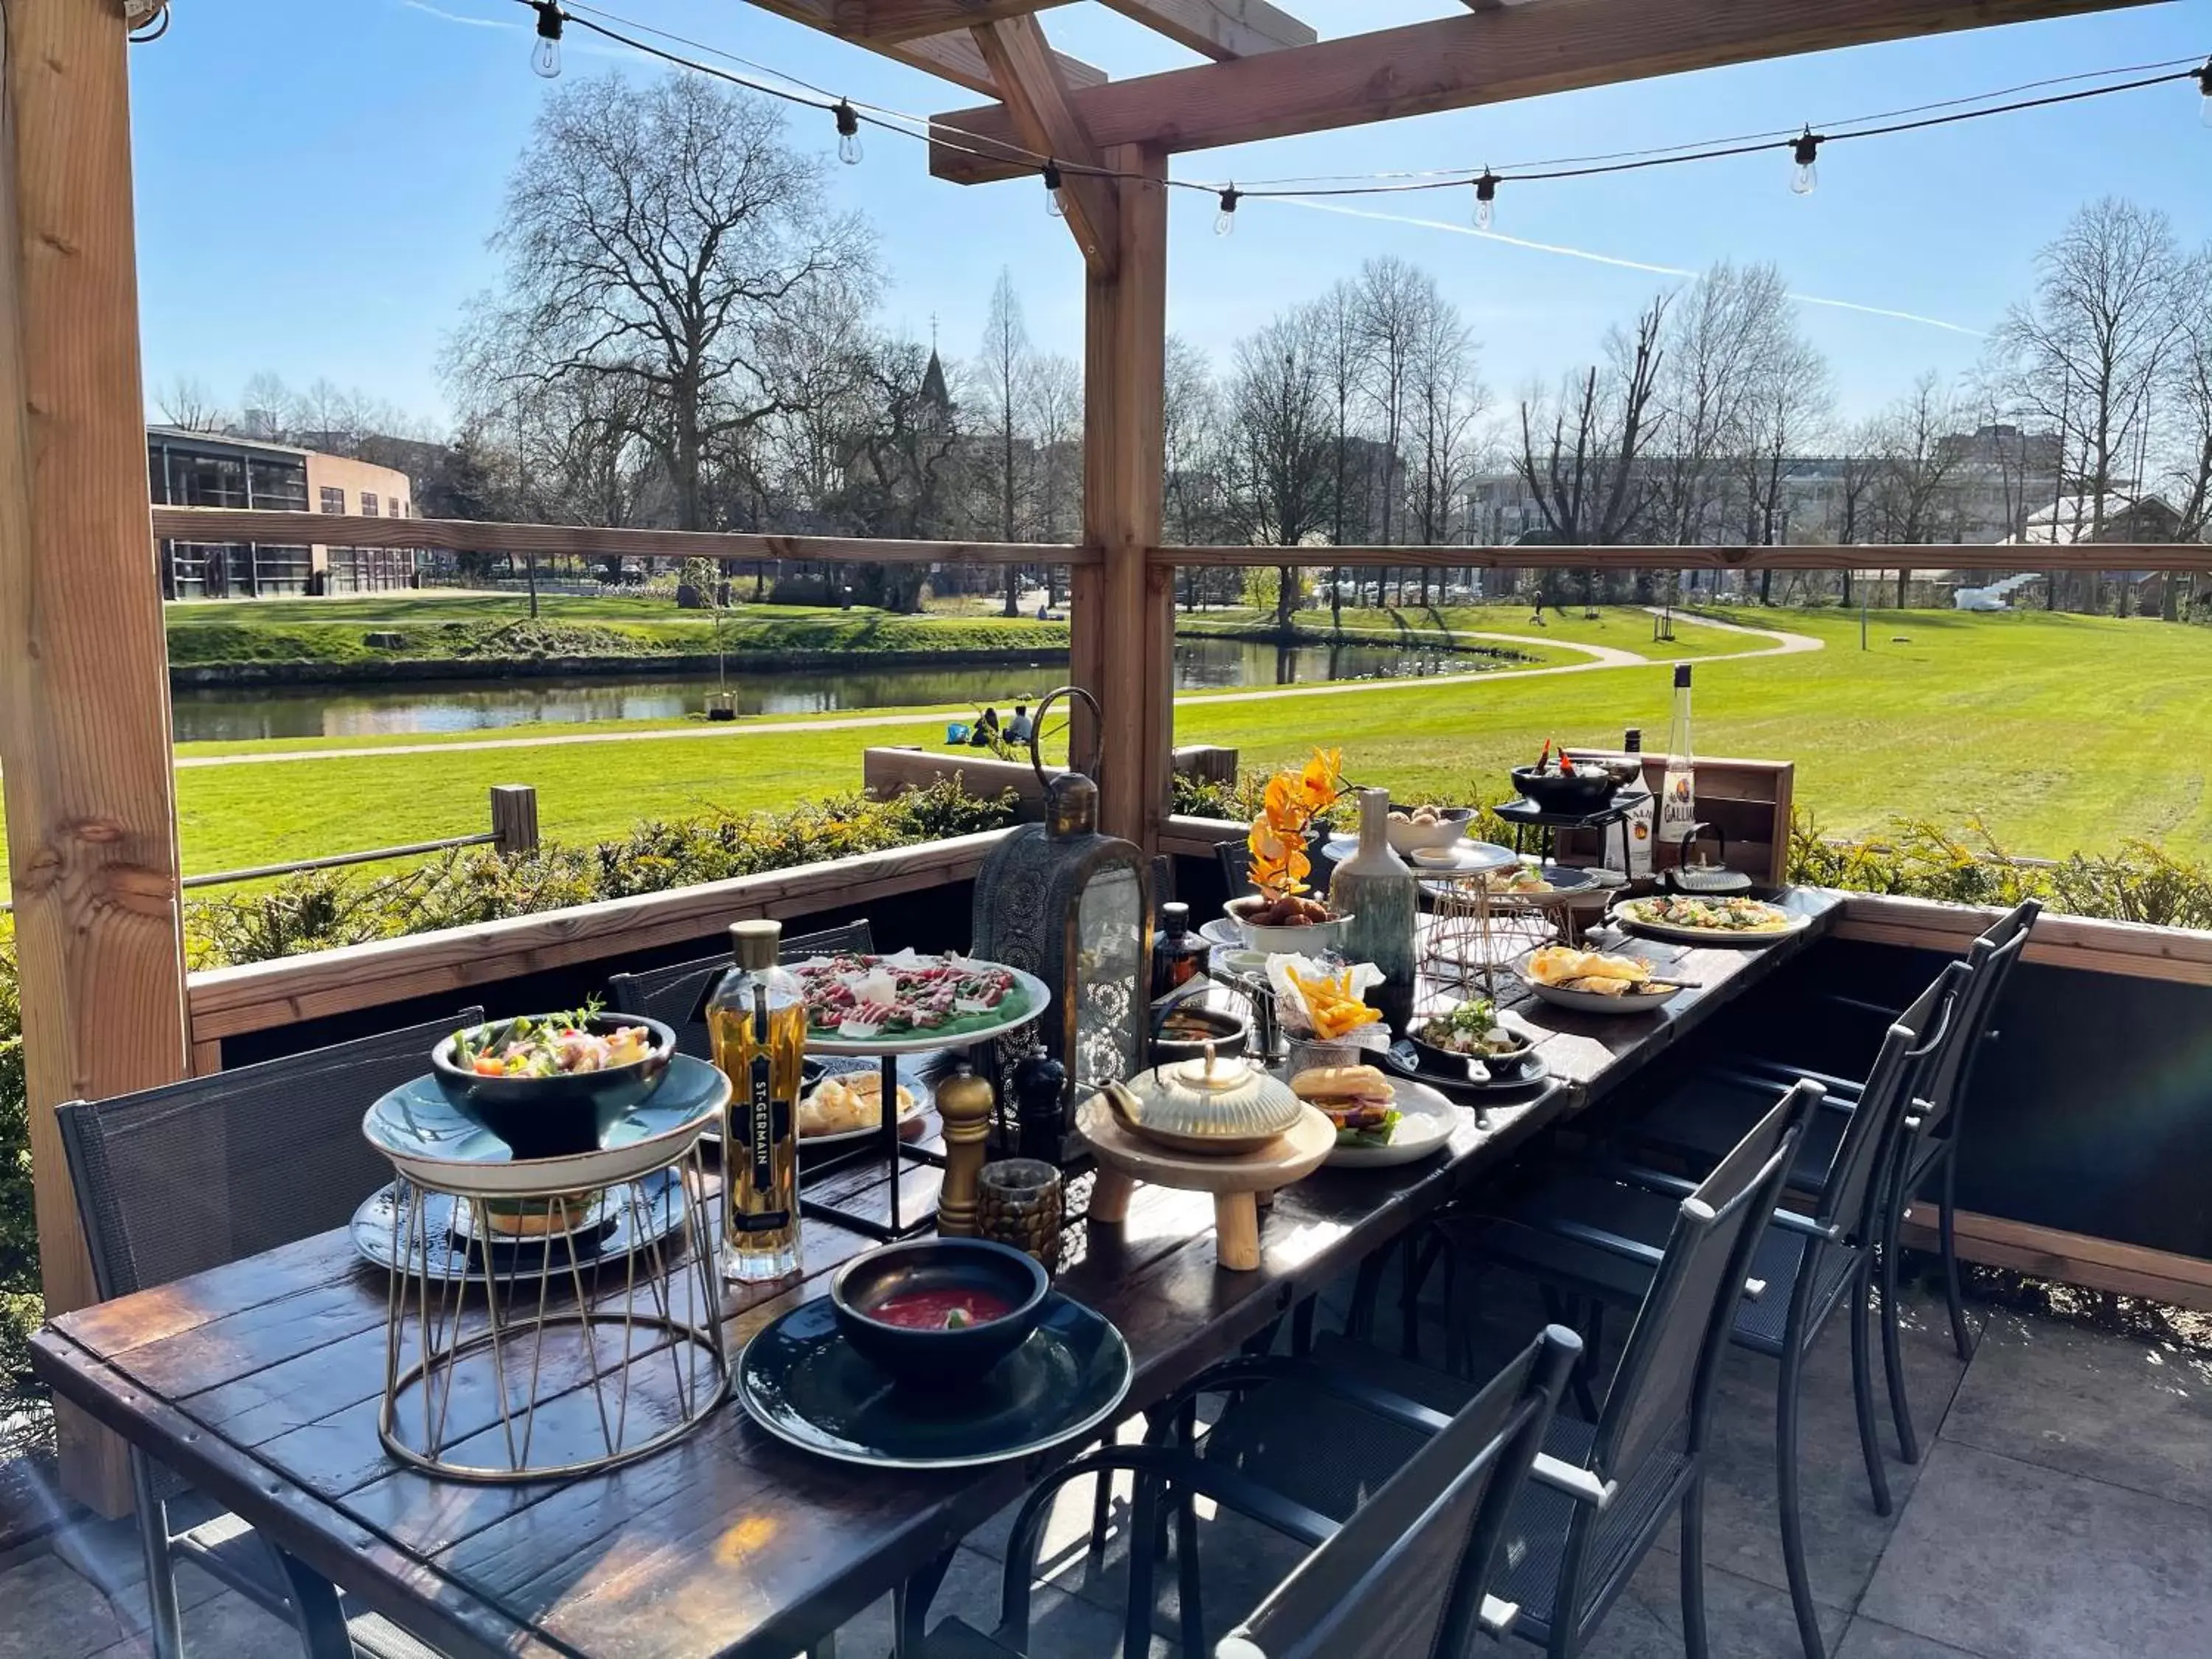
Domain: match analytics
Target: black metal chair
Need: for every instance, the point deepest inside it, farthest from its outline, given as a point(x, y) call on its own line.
point(1592, 1230)
point(1319, 1434)
point(194, 1174)
point(1698, 1126)
point(675, 995)
point(1407, 1576)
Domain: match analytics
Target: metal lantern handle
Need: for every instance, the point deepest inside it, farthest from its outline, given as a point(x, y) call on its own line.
point(1037, 734)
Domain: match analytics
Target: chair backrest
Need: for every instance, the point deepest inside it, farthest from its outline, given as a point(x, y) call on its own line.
point(1659, 1391)
point(193, 1175)
point(1990, 963)
point(1914, 1044)
point(677, 995)
point(1404, 1578)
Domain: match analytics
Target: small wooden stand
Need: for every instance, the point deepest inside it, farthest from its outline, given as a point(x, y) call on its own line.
point(1239, 1183)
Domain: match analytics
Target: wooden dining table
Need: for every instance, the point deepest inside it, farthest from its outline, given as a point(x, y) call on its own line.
point(260, 1382)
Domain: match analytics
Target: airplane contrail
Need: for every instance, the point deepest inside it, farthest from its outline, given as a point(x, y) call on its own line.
point(1606, 259)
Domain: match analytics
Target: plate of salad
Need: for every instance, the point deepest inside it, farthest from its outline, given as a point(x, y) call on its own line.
point(1706, 920)
point(906, 1002)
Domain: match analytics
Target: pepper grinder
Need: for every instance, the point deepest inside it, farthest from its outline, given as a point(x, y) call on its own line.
point(964, 1102)
point(1040, 1091)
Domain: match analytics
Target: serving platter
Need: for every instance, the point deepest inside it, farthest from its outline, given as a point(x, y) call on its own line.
point(1625, 917)
point(433, 1144)
point(1596, 1002)
point(804, 1383)
point(1426, 1124)
point(1038, 998)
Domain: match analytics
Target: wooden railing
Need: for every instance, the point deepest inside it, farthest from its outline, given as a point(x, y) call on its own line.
point(227, 1002)
point(214, 524)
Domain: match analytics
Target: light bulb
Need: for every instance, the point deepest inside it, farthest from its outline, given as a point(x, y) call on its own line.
point(848, 135)
point(545, 56)
point(1485, 200)
point(1051, 183)
point(1224, 223)
point(2205, 84)
point(1806, 151)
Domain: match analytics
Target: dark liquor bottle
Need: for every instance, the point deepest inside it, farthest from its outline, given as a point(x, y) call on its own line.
point(758, 1021)
point(1179, 956)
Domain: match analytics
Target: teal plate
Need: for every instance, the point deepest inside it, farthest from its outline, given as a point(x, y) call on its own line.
point(801, 1381)
point(431, 1140)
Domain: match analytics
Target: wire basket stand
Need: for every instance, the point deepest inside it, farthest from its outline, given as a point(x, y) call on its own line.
point(1474, 930)
point(567, 1363)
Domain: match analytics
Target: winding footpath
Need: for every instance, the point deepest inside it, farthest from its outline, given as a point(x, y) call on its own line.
point(1600, 657)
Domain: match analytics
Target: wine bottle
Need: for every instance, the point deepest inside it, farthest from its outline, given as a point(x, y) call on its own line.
point(1643, 814)
point(757, 1024)
point(1678, 794)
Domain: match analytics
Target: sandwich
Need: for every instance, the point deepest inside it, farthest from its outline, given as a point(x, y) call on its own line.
point(1358, 1099)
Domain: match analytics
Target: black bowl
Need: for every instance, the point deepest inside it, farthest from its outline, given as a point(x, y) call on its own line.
point(1555, 792)
point(553, 1116)
point(939, 1360)
point(1231, 1033)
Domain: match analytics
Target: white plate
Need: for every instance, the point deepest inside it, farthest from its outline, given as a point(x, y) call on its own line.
point(1426, 1124)
point(914, 1085)
point(1040, 999)
point(1594, 1002)
point(1467, 858)
point(1799, 921)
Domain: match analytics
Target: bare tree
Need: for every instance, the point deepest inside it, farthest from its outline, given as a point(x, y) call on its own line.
point(1278, 454)
point(2087, 351)
point(1393, 298)
point(1581, 448)
point(1000, 371)
point(1341, 338)
point(654, 235)
point(1916, 498)
point(185, 402)
point(1053, 395)
point(1190, 418)
point(1448, 398)
point(264, 407)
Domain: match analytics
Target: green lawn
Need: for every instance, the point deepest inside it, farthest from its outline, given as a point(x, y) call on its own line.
point(1626, 628)
point(2061, 731)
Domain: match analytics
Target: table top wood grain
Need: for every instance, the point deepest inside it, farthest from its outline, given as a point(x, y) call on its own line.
point(259, 1381)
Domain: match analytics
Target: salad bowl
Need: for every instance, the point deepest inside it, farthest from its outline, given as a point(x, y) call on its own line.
point(541, 1082)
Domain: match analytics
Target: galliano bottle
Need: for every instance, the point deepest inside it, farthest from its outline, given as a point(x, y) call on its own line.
point(757, 1021)
point(1678, 794)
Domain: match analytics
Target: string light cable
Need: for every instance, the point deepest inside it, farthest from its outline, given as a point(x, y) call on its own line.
point(1803, 145)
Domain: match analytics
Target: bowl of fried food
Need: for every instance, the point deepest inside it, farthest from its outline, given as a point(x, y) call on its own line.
point(1297, 923)
point(845, 1104)
point(1428, 827)
point(1595, 983)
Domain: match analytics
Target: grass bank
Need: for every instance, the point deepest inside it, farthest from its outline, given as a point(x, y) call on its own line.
point(2061, 733)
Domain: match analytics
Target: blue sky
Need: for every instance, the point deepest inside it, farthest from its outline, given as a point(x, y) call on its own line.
point(316, 182)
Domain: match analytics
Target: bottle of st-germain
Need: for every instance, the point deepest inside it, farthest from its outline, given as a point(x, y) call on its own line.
point(757, 1021)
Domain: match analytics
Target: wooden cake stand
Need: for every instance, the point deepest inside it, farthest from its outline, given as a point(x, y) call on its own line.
point(1237, 1182)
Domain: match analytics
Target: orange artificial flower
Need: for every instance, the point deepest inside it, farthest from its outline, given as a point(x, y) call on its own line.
point(1289, 806)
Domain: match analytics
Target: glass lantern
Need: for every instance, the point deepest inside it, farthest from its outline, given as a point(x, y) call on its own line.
point(1073, 906)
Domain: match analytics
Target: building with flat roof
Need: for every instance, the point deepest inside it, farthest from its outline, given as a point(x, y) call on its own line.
point(211, 469)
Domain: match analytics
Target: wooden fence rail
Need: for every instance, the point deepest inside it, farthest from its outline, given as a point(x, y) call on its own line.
point(228, 524)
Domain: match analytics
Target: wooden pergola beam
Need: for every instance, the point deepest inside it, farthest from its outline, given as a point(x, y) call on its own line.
point(873, 22)
point(1037, 101)
point(951, 55)
point(84, 688)
point(1220, 29)
point(1478, 58)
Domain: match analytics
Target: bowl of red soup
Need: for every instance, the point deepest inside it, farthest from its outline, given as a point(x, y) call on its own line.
point(938, 1312)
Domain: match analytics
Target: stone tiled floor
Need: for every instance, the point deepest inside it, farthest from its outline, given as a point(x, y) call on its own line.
point(2061, 1508)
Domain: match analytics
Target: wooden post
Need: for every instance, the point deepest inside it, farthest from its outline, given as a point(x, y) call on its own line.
point(84, 718)
point(1123, 621)
point(514, 818)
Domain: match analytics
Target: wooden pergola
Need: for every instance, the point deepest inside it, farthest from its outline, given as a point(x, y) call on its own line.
point(84, 720)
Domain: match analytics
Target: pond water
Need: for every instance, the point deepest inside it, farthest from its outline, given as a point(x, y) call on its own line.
point(244, 714)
